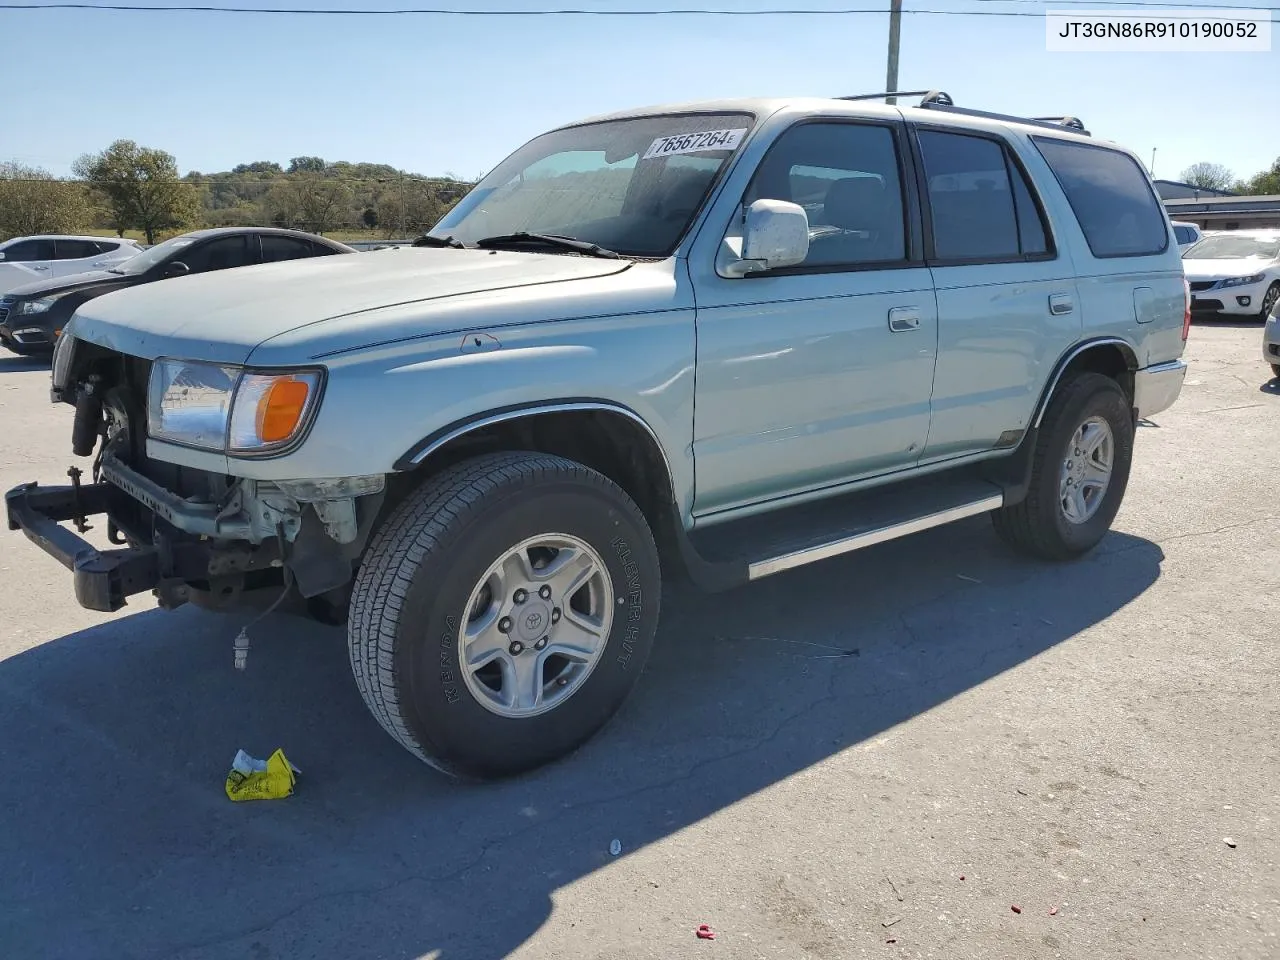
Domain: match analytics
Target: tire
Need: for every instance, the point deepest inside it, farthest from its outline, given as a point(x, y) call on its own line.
point(1269, 300)
point(1275, 369)
point(428, 568)
point(1040, 525)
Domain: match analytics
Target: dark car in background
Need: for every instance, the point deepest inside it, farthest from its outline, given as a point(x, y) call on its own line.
point(32, 315)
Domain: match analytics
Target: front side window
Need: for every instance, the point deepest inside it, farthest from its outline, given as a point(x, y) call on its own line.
point(632, 186)
point(845, 176)
point(1110, 196)
point(29, 250)
point(980, 205)
point(220, 254)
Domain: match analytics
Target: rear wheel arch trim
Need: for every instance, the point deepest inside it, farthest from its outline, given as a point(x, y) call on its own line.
point(1126, 349)
point(423, 449)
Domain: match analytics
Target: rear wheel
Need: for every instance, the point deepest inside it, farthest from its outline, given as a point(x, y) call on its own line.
point(1275, 369)
point(1080, 469)
point(504, 612)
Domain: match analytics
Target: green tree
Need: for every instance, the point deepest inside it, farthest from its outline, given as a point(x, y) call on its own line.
point(1266, 182)
point(1210, 176)
point(370, 218)
point(307, 165)
point(311, 202)
point(141, 188)
point(33, 201)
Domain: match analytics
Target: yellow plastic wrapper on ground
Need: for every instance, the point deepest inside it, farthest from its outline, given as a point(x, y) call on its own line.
point(254, 779)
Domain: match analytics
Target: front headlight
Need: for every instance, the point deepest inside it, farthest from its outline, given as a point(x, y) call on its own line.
point(1242, 281)
point(230, 409)
point(28, 307)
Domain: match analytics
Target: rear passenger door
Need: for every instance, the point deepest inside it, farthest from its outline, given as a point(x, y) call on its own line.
point(1007, 298)
point(72, 256)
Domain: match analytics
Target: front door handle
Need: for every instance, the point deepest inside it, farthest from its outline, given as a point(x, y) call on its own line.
point(1060, 304)
point(902, 319)
point(39, 268)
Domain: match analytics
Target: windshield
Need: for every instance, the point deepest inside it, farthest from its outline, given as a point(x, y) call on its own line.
point(151, 256)
point(628, 185)
point(1234, 248)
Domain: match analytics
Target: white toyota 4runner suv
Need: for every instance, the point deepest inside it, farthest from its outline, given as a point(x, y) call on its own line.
point(716, 340)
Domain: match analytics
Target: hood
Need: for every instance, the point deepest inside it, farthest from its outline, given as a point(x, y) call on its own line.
point(222, 316)
point(45, 288)
point(1222, 269)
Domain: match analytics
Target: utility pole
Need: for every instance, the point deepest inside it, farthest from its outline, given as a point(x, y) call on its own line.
point(895, 35)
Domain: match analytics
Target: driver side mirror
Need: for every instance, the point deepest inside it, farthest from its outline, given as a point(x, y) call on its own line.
point(176, 269)
point(775, 234)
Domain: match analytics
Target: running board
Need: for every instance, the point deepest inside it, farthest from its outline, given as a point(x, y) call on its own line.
point(762, 545)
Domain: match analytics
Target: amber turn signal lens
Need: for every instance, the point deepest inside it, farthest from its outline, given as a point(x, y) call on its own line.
point(280, 409)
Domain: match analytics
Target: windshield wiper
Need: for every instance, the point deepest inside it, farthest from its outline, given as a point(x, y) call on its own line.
point(550, 240)
point(427, 240)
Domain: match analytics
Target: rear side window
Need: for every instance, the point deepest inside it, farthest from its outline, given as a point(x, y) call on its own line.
point(1111, 197)
point(276, 248)
point(75, 249)
point(980, 206)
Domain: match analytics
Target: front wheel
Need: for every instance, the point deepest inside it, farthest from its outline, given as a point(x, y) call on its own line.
point(1079, 472)
point(1269, 300)
point(504, 612)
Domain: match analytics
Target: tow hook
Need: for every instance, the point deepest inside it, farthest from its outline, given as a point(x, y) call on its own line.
point(80, 520)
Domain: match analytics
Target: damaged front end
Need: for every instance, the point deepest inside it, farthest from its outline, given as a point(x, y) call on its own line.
point(187, 535)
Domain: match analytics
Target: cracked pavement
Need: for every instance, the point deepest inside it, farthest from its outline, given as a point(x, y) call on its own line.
point(805, 760)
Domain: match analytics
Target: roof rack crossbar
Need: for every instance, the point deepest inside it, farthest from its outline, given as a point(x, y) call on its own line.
point(1051, 123)
point(927, 96)
point(940, 100)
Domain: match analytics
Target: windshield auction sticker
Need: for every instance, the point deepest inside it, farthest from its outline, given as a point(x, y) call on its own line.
point(1198, 30)
point(695, 142)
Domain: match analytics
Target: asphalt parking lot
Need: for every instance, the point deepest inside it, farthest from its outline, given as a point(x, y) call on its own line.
point(879, 756)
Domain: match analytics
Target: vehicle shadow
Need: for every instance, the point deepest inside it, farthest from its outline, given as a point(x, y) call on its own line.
point(16, 363)
point(119, 840)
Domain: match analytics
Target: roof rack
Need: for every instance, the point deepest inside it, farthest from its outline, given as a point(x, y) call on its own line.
point(940, 100)
point(939, 97)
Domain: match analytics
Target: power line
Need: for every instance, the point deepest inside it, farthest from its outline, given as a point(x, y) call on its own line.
point(1183, 13)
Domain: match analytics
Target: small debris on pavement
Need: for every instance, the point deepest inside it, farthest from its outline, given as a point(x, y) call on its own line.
point(890, 922)
point(962, 876)
point(961, 576)
point(1053, 911)
point(892, 940)
point(254, 779)
point(1015, 908)
point(704, 932)
point(1021, 792)
point(615, 848)
point(894, 888)
point(1229, 842)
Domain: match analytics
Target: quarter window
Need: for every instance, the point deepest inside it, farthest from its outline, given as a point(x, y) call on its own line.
point(981, 207)
point(1111, 197)
point(845, 176)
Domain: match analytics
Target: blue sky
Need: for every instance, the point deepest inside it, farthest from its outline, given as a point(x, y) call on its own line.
point(437, 94)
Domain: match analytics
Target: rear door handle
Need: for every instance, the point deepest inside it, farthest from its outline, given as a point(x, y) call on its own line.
point(1061, 304)
point(39, 268)
point(902, 319)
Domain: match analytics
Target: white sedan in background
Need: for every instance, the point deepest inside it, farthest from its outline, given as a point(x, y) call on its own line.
point(28, 259)
point(1187, 234)
point(1236, 273)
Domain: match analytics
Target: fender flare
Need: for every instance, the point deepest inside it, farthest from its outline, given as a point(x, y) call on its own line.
point(1126, 348)
point(437, 439)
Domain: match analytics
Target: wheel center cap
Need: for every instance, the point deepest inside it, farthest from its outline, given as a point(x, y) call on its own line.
point(533, 621)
